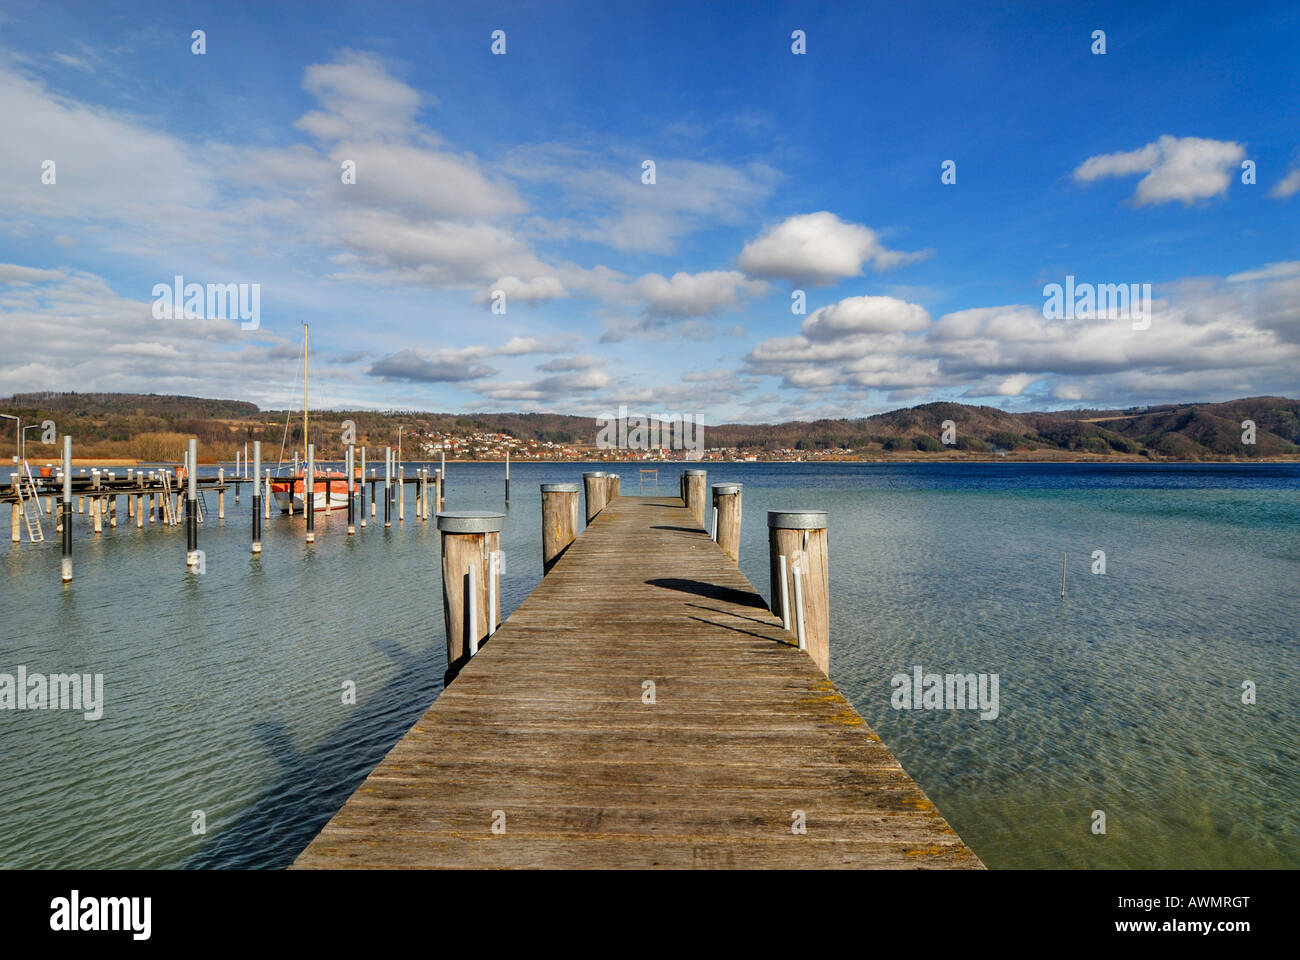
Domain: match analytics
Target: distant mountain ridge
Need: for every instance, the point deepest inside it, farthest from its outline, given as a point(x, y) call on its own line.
point(110, 423)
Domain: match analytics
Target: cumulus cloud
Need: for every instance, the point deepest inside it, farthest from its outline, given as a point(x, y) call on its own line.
point(1185, 169)
point(818, 249)
point(1226, 337)
point(1288, 185)
point(865, 315)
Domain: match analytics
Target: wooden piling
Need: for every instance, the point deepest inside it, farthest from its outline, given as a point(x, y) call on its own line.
point(470, 539)
point(800, 577)
point(221, 493)
point(726, 503)
point(437, 499)
point(612, 482)
point(559, 521)
point(388, 486)
point(596, 490)
point(693, 487)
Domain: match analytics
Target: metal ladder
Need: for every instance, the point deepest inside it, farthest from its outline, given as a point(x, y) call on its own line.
point(29, 501)
point(168, 518)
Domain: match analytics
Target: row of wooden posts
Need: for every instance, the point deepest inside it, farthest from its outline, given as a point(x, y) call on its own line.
point(168, 501)
point(471, 558)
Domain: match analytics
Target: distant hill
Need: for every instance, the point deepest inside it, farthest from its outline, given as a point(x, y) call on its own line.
point(142, 425)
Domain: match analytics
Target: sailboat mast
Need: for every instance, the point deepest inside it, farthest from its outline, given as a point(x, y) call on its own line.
point(305, 328)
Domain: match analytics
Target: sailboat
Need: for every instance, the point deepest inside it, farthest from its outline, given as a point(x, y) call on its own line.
point(330, 487)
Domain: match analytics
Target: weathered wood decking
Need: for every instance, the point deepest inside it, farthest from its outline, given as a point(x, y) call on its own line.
point(547, 726)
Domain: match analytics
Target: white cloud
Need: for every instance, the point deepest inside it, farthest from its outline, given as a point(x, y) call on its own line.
point(531, 292)
point(865, 315)
point(1288, 185)
point(1185, 169)
point(819, 249)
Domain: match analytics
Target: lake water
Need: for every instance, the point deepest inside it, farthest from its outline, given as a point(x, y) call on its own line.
point(223, 690)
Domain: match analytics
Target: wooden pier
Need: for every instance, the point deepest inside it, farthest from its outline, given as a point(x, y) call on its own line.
point(641, 708)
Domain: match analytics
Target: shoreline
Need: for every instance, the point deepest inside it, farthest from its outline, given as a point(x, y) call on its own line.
point(696, 464)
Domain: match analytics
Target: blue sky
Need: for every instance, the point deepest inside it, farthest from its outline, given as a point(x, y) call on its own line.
point(773, 172)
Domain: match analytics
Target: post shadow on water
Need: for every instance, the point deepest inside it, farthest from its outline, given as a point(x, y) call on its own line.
point(313, 784)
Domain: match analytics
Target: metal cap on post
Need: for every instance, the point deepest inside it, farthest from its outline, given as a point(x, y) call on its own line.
point(471, 544)
point(596, 490)
point(726, 518)
point(800, 578)
point(693, 483)
point(559, 521)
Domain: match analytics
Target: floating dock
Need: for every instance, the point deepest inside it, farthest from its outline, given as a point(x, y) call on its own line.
point(641, 708)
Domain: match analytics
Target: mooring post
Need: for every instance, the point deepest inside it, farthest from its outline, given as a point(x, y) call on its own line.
point(221, 493)
point(437, 496)
point(800, 578)
point(507, 476)
point(400, 469)
point(470, 538)
point(15, 510)
point(257, 496)
point(352, 489)
point(612, 481)
point(596, 489)
point(266, 495)
point(693, 485)
point(559, 521)
point(309, 493)
point(388, 486)
point(726, 522)
point(66, 508)
point(96, 513)
point(192, 509)
point(362, 485)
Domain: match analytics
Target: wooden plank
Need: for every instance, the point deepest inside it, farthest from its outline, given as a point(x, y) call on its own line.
point(545, 734)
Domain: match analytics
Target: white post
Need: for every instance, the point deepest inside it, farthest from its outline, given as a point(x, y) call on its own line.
point(471, 611)
point(492, 593)
point(798, 609)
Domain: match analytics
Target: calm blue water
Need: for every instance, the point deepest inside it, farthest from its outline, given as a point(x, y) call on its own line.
point(224, 690)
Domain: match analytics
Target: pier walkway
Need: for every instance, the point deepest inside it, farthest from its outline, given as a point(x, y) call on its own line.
point(544, 751)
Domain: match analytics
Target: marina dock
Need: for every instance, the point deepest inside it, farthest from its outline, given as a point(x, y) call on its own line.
point(641, 708)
